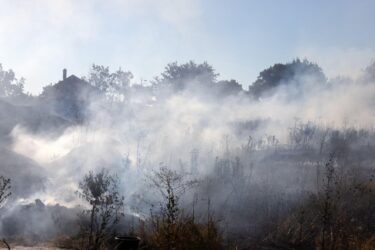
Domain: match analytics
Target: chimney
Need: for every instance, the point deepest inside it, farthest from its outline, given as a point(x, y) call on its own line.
point(64, 74)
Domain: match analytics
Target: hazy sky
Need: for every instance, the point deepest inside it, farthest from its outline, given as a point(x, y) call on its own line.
point(239, 38)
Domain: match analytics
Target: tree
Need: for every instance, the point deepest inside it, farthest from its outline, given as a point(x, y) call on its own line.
point(4, 189)
point(100, 191)
point(369, 73)
point(228, 87)
point(10, 86)
point(180, 76)
point(115, 85)
point(297, 72)
point(4, 194)
point(174, 228)
point(171, 185)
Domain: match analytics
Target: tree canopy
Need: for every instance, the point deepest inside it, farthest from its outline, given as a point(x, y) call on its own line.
point(10, 86)
point(180, 76)
point(369, 74)
point(101, 191)
point(297, 72)
point(114, 84)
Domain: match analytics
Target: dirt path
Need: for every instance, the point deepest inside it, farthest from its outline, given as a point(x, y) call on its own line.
point(34, 248)
point(31, 248)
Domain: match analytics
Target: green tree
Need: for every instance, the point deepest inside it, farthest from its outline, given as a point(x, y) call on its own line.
point(114, 84)
point(101, 191)
point(228, 87)
point(297, 72)
point(179, 76)
point(10, 86)
point(369, 73)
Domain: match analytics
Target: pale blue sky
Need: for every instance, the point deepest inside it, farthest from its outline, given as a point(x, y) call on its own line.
point(239, 38)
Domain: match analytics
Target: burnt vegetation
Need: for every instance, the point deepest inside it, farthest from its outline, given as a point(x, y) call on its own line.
point(250, 183)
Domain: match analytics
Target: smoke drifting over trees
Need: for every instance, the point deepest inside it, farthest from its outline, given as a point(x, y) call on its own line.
point(259, 156)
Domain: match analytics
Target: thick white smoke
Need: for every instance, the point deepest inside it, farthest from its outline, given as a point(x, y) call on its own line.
point(135, 138)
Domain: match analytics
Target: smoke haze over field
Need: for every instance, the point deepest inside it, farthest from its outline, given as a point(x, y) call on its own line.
point(268, 143)
point(229, 139)
point(137, 136)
